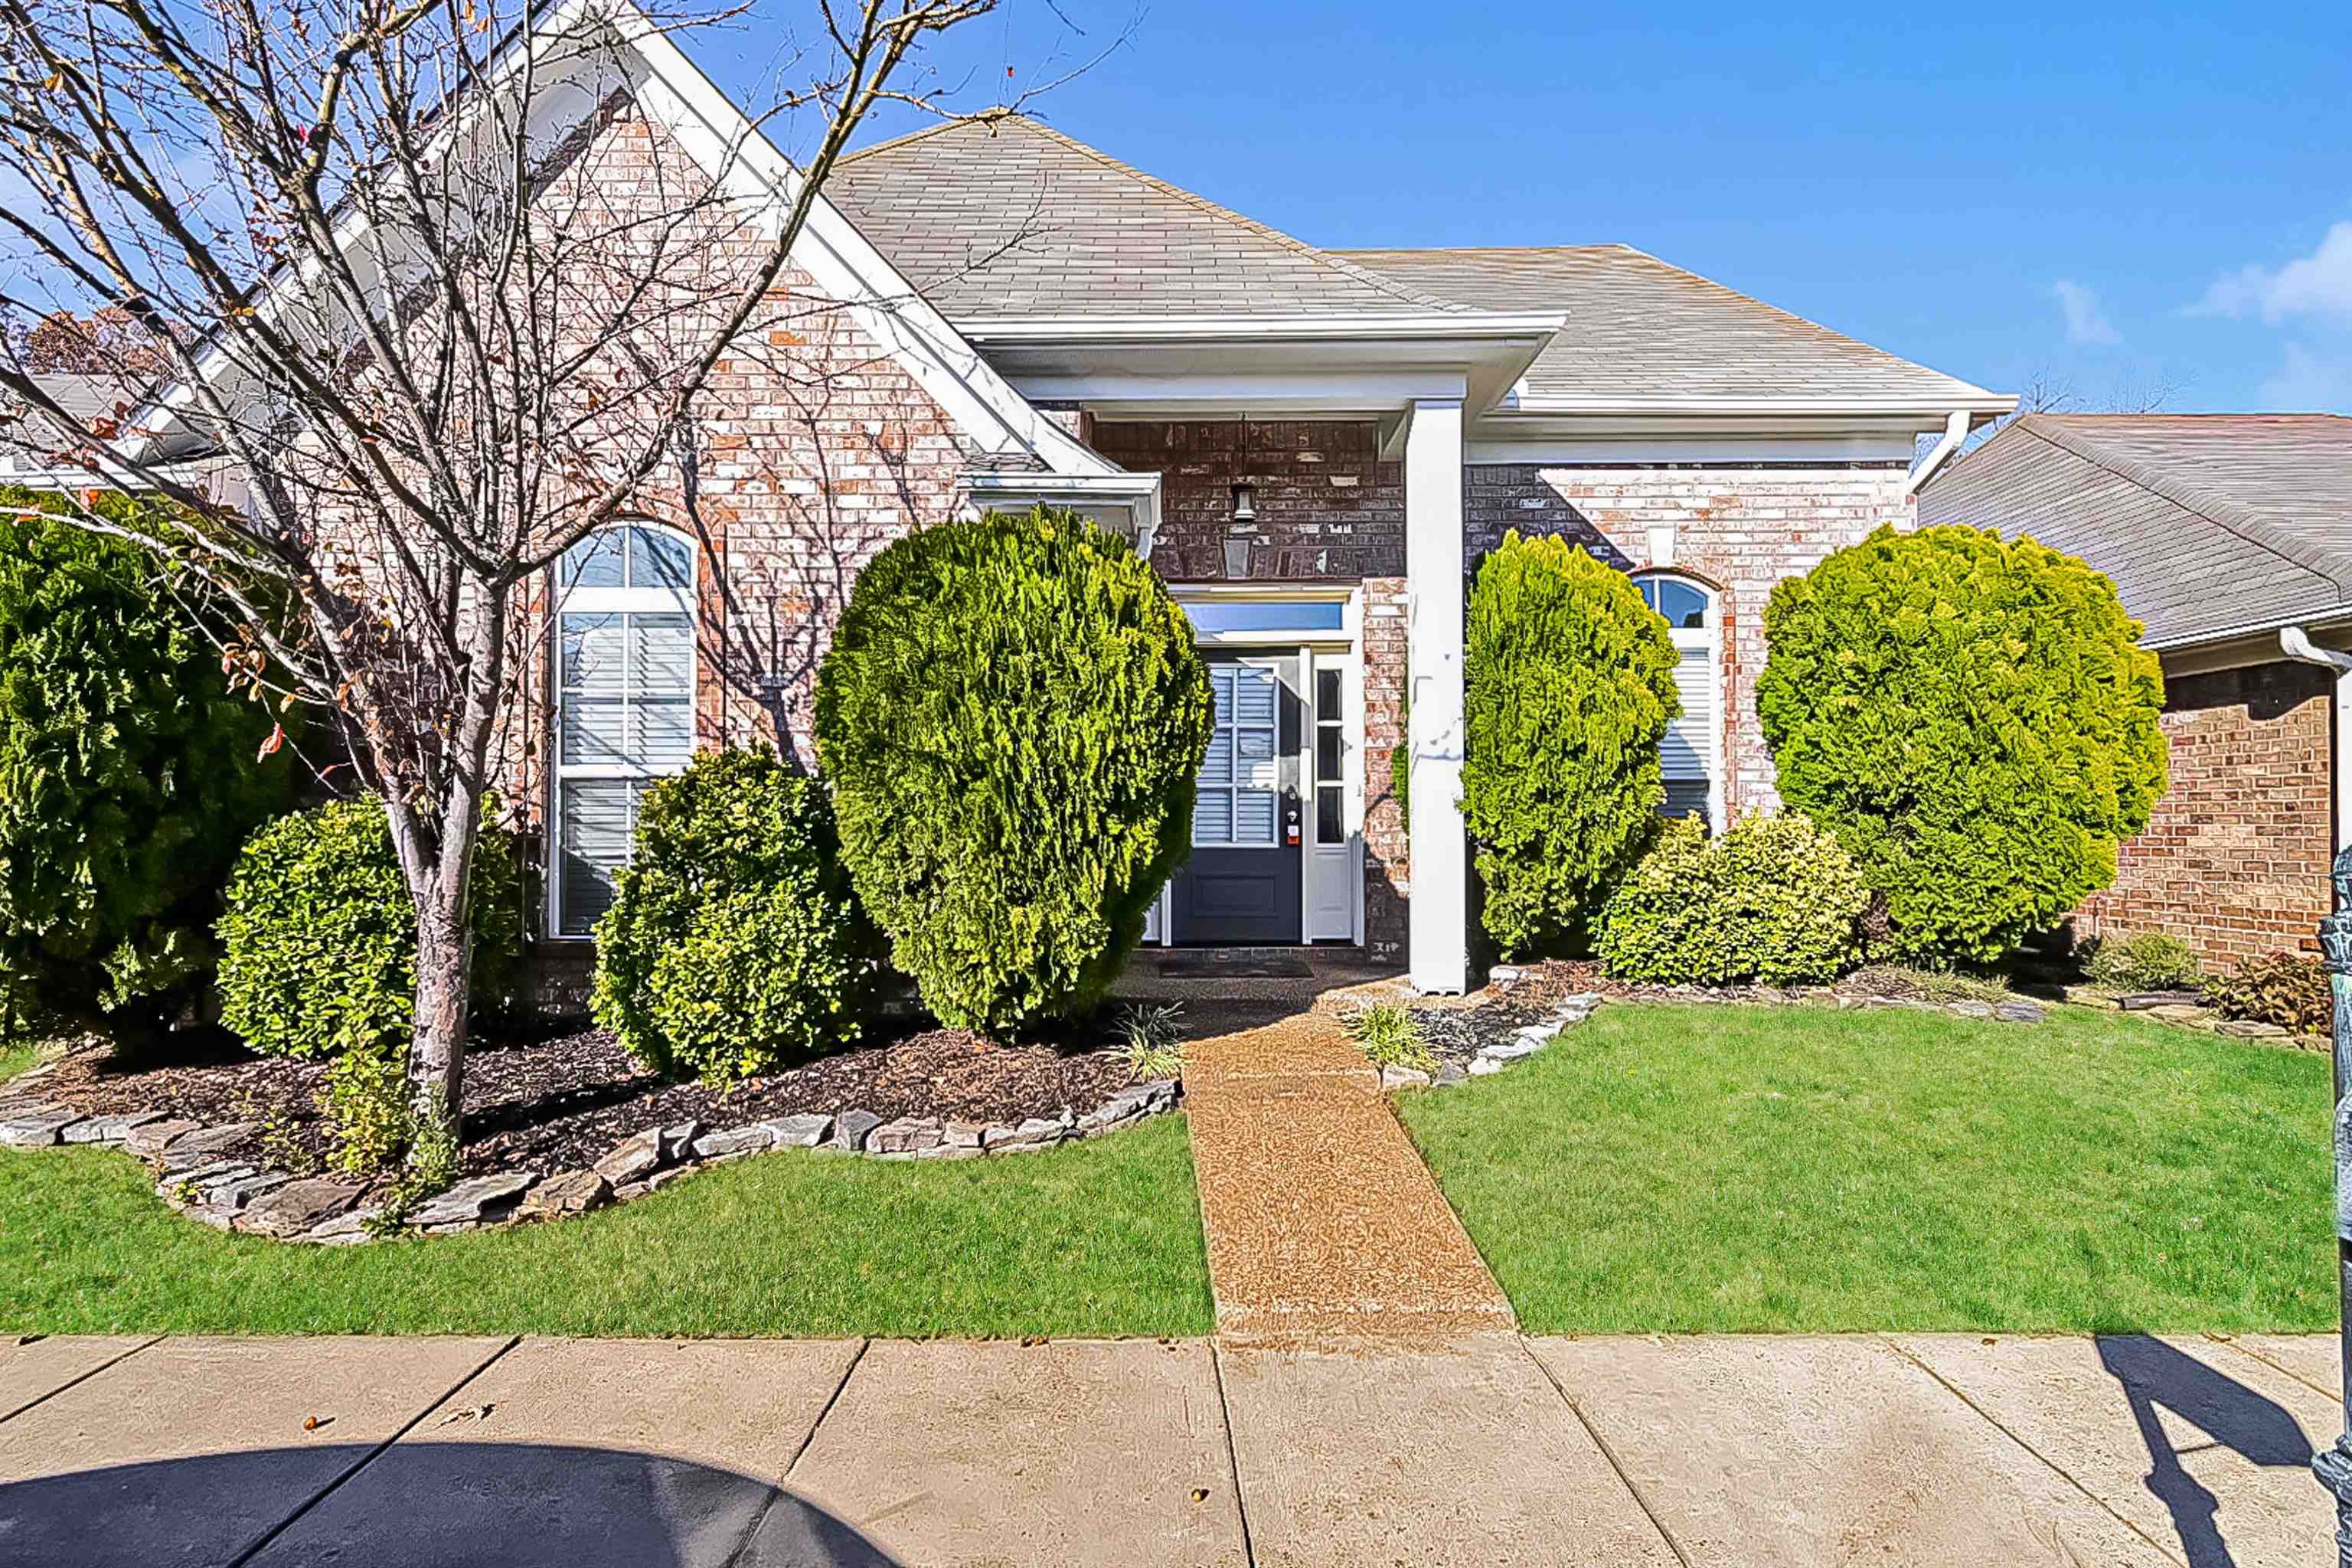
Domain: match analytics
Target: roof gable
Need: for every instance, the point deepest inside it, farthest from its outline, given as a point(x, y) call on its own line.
point(1000, 215)
point(1640, 331)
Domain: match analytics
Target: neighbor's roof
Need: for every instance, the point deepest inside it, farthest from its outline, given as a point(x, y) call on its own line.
point(2210, 524)
point(1008, 217)
point(1640, 330)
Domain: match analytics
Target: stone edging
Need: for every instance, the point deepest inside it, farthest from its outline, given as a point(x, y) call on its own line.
point(2187, 1010)
point(239, 1196)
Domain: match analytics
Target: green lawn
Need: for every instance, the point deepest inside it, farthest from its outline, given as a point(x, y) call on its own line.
point(1681, 1169)
point(1100, 1237)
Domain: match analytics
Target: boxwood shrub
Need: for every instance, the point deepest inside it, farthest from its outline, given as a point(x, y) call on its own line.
point(1570, 684)
point(2142, 961)
point(1011, 716)
point(130, 773)
point(1770, 900)
point(1974, 719)
point(319, 942)
point(735, 945)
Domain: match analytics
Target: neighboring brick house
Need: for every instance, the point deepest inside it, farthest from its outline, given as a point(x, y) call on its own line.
point(1313, 448)
point(2230, 537)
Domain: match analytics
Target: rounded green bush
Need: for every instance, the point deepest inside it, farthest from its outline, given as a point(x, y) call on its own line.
point(2143, 961)
point(1011, 717)
point(1974, 719)
point(130, 773)
point(1570, 686)
point(318, 945)
point(735, 945)
point(1770, 900)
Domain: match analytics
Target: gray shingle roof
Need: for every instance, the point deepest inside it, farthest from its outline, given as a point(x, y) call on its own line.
point(1639, 330)
point(2209, 523)
point(1012, 218)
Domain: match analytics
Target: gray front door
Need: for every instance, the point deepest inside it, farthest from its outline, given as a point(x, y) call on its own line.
point(1244, 883)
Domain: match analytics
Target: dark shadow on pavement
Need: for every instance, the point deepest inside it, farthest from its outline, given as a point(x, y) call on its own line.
point(2155, 1376)
point(426, 1505)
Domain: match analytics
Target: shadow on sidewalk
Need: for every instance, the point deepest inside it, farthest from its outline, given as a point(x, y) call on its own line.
point(2155, 1376)
point(426, 1505)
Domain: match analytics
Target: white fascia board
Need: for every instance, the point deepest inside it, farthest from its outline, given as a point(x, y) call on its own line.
point(1138, 492)
point(1402, 326)
point(1892, 450)
point(1974, 400)
point(1227, 393)
point(2265, 629)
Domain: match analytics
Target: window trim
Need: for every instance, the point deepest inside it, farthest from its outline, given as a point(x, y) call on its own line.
point(1706, 639)
point(590, 601)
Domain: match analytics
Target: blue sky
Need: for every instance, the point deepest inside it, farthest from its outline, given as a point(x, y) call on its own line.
point(2113, 197)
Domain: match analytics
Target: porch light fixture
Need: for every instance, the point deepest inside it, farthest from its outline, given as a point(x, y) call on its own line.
point(1243, 511)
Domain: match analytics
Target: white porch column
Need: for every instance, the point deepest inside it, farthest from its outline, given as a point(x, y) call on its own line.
point(1439, 947)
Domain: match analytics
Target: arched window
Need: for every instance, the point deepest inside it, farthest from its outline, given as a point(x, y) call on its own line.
point(623, 701)
point(1692, 757)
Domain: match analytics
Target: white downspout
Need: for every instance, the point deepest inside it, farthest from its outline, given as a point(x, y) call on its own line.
point(1955, 430)
point(2296, 644)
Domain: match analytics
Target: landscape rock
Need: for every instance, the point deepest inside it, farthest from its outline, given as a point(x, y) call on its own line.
point(472, 1199)
point(1969, 1007)
point(2018, 1012)
point(678, 1142)
point(1110, 1114)
point(196, 1148)
point(1486, 1066)
point(805, 1131)
point(230, 1197)
point(850, 1132)
point(2250, 1029)
point(633, 1157)
point(349, 1228)
point(565, 1193)
point(2089, 996)
point(112, 1129)
point(1033, 1132)
point(37, 1129)
point(299, 1205)
point(2182, 1013)
point(1451, 1073)
point(1396, 1075)
point(1514, 1048)
point(2157, 1001)
point(188, 1186)
point(963, 1134)
point(908, 1135)
point(734, 1141)
point(152, 1138)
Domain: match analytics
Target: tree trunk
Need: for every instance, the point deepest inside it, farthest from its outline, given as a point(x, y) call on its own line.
point(445, 976)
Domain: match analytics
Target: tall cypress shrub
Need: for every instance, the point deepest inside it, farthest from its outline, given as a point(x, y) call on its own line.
point(130, 773)
point(1011, 717)
point(1974, 719)
point(1570, 687)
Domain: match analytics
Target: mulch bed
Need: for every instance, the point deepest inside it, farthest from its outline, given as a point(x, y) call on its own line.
point(562, 1102)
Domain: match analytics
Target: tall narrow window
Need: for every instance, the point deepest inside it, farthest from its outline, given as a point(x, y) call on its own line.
point(624, 702)
point(1691, 757)
point(1330, 758)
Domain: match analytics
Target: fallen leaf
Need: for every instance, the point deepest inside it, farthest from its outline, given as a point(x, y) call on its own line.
point(312, 1422)
point(471, 1413)
point(1199, 1494)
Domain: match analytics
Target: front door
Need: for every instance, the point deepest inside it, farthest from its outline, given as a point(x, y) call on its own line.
point(1243, 882)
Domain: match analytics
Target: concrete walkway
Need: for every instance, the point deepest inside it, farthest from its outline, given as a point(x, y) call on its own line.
point(1320, 1217)
point(747, 1454)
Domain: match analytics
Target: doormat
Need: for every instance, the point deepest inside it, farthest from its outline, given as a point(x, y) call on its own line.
point(1215, 965)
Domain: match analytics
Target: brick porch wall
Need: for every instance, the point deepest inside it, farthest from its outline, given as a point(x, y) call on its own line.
point(1742, 529)
point(2235, 859)
point(1386, 882)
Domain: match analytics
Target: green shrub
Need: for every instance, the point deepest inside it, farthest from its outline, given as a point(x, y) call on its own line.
point(1388, 1036)
point(1154, 1036)
point(2290, 990)
point(129, 775)
point(1974, 719)
point(734, 945)
point(319, 942)
point(2143, 961)
point(1770, 900)
point(1011, 717)
point(1570, 687)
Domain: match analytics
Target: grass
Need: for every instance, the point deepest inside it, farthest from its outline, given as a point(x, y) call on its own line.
point(1096, 1239)
point(1679, 1169)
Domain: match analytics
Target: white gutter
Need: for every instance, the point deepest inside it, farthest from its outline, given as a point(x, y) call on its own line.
point(1941, 404)
point(2296, 644)
point(1955, 430)
point(1437, 324)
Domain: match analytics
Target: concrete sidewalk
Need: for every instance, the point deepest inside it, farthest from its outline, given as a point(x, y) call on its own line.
point(1497, 1450)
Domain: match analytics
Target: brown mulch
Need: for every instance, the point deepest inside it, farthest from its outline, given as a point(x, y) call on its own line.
point(560, 1102)
point(1551, 980)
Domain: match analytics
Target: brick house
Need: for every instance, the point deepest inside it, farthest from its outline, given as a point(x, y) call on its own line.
point(1313, 448)
point(2230, 537)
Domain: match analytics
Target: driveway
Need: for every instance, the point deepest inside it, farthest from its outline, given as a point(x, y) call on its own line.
point(1493, 1450)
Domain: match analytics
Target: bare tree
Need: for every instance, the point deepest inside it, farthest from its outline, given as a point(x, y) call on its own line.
point(432, 344)
point(2047, 392)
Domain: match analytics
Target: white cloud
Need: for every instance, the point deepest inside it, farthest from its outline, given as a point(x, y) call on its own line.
point(2310, 382)
point(2319, 284)
point(2085, 321)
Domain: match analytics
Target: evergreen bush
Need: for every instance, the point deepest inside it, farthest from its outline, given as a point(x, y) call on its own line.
point(1011, 717)
point(734, 945)
point(130, 773)
point(1769, 900)
point(1974, 719)
point(2143, 961)
point(319, 942)
point(1570, 689)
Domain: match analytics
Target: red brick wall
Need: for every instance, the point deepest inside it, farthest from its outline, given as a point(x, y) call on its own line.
point(1327, 506)
point(2235, 859)
point(1386, 884)
point(1740, 529)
